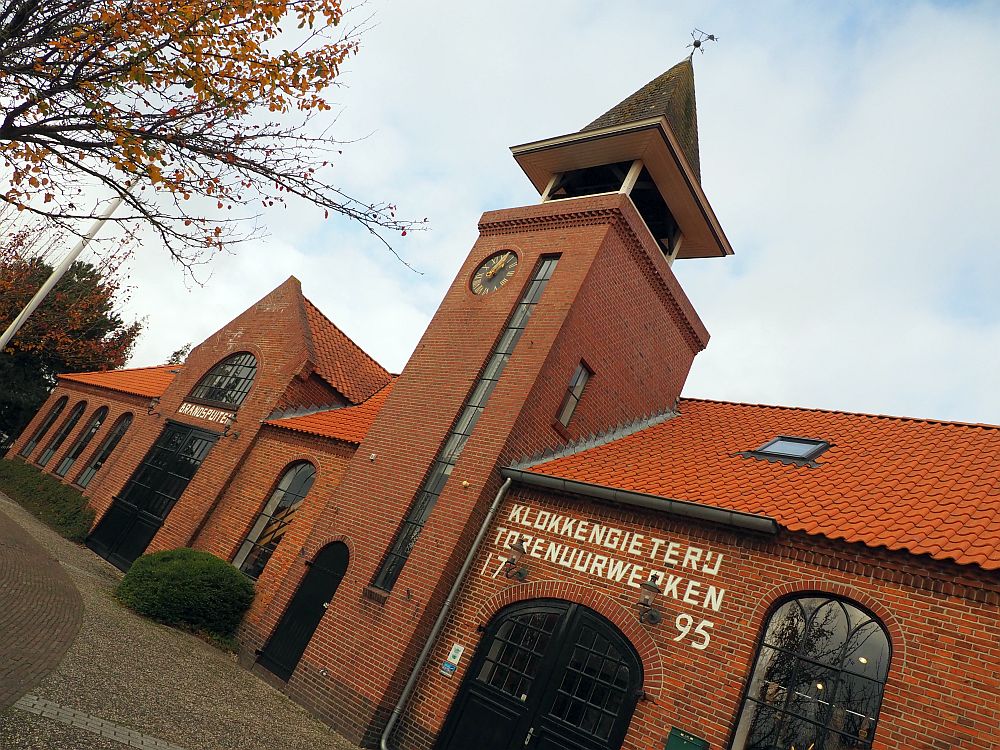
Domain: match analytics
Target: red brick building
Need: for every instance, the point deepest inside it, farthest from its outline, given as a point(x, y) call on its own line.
point(528, 538)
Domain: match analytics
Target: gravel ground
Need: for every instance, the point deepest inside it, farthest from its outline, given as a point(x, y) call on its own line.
point(151, 678)
point(19, 729)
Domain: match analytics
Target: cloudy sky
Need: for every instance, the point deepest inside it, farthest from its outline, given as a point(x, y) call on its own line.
point(849, 150)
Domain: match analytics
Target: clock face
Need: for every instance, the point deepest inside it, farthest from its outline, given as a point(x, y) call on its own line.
point(494, 272)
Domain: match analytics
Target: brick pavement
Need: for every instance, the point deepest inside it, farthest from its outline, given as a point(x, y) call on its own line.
point(40, 611)
point(129, 682)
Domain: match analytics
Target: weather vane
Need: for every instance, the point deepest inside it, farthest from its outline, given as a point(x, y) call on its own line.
point(699, 37)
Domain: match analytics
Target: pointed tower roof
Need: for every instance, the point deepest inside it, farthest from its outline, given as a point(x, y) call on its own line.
point(658, 126)
point(669, 95)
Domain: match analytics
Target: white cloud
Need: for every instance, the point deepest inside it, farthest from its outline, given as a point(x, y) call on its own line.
point(848, 151)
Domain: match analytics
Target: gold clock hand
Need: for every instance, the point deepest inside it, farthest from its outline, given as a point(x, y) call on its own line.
point(500, 263)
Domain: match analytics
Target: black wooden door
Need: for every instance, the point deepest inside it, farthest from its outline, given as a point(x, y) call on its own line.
point(548, 675)
point(140, 510)
point(289, 640)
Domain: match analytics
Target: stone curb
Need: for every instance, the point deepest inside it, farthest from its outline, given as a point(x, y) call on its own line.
point(90, 723)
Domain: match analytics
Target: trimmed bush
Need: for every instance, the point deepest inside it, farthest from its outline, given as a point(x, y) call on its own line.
point(189, 588)
point(52, 502)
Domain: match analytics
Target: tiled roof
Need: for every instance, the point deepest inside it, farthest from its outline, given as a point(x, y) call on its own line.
point(906, 484)
point(349, 424)
point(341, 362)
point(669, 95)
point(140, 381)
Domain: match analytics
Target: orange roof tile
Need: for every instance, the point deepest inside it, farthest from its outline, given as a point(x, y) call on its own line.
point(140, 381)
point(349, 423)
point(341, 362)
point(905, 484)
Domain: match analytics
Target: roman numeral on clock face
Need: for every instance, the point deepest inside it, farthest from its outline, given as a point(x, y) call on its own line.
point(494, 272)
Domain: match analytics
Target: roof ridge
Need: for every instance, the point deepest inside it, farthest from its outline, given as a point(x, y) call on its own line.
point(596, 439)
point(137, 381)
point(301, 411)
point(351, 433)
point(392, 381)
point(119, 369)
point(353, 343)
point(869, 415)
point(294, 412)
point(307, 332)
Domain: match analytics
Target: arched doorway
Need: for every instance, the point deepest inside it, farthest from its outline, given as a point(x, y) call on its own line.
point(289, 640)
point(138, 513)
point(548, 675)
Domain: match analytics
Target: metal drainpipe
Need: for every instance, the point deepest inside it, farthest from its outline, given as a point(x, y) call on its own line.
point(411, 683)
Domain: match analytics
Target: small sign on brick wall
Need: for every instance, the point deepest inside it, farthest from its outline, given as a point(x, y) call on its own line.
point(681, 740)
point(450, 664)
point(206, 412)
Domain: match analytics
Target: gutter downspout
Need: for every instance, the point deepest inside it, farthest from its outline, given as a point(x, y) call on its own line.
point(425, 653)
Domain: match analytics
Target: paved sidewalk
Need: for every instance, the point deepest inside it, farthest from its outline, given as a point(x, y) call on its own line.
point(128, 682)
point(40, 611)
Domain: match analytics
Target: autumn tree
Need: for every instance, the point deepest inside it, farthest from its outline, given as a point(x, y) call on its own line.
point(77, 328)
point(177, 357)
point(197, 112)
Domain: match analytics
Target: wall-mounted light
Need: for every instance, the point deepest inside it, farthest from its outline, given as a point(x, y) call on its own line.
point(230, 421)
point(513, 568)
point(151, 406)
point(648, 591)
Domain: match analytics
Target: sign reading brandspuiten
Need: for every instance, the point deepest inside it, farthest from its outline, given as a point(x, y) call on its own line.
point(680, 568)
point(206, 412)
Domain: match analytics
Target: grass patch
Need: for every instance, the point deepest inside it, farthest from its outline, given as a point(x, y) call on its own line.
point(55, 504)
point(190, 589)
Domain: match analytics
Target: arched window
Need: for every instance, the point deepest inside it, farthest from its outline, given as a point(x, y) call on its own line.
point(106, 449)
point(44, 427)
point(82, 441)
point(228, 383)
point(64, 431)
point(818, 678)
point(274, 518)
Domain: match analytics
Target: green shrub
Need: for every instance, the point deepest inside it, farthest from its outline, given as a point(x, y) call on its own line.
point(189, 588)
point(52, 502)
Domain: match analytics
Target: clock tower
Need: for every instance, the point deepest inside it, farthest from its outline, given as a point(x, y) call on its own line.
point(564, 322)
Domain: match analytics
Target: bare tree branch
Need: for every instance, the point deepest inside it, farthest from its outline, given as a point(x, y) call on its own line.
point(198, 99)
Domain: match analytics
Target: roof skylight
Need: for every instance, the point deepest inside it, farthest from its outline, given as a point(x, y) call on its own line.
point(793, 447)
point(796, 449)
point(789, 450)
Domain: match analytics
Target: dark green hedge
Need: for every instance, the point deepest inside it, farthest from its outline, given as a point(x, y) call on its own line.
point(54, 503)
point(187, 587)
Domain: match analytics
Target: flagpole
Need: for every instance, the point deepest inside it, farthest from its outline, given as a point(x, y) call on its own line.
point(61, 269)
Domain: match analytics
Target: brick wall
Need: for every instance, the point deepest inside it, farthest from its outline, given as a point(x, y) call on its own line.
point(615, 304)
point(117, 403)
point(223, 533)
point(271, 330)
point(635, 329)
point(611, 292)
point(310, 391)
point(943, 621)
